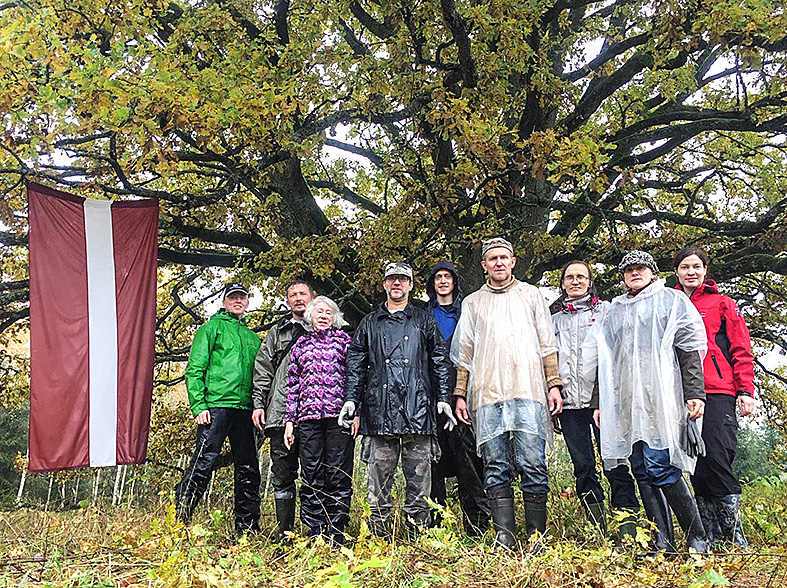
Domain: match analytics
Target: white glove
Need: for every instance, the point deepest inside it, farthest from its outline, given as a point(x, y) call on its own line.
point(445, 408)
point(347, 413)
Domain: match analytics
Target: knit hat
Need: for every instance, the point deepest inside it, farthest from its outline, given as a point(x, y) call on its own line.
point(638, 258)
point(493, 243)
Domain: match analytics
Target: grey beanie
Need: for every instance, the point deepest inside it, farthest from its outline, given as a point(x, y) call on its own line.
point(638, 258)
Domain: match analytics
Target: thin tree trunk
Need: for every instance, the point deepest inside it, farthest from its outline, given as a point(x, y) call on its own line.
point(130, 499)
point(116, 487)
point(123, 482)
point(95, 486)
point(22, 485)
point(49, 490)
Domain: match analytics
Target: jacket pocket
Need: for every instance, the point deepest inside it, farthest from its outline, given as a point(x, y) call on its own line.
point(716, 365)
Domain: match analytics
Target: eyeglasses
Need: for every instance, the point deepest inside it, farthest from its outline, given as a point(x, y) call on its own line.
point(581, 279)
point(401, 279)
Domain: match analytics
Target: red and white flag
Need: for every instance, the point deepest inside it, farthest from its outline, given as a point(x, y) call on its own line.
point(92, 329)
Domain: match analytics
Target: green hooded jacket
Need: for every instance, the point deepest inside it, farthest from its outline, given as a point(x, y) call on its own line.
point(221, 363)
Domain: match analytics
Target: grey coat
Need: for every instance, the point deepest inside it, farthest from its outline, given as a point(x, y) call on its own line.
point(270, 371)
point(571, 325)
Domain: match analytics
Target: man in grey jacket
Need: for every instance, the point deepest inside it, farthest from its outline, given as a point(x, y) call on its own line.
point(270, 399)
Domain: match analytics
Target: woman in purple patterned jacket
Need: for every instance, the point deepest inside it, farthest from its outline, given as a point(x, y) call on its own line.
point(315, 395)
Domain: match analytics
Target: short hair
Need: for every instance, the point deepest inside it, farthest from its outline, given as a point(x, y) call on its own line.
point(338, 316)
point(688, 252)
point(296, 282)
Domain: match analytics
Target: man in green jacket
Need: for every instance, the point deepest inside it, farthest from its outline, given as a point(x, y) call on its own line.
point(218, 379)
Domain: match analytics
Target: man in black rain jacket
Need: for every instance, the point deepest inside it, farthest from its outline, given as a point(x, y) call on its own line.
point(398, 377)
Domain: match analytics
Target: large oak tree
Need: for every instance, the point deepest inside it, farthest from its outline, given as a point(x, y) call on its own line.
point(326, 137)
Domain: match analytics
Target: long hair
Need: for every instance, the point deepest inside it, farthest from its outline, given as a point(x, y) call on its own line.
point(559, 305)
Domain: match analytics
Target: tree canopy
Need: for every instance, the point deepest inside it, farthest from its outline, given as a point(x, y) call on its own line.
point(326, 137)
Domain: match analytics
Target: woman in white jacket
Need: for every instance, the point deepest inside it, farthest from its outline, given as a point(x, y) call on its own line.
point(573, 313)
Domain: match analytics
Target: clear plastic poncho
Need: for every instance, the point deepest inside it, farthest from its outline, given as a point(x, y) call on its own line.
point(640, 385)
point(501, 338)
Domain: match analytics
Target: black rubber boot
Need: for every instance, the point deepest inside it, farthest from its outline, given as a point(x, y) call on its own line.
point(535, 519)
point(710, 521)
point(657, 510)
point(682, 502)
point(501, 499)
point(728, 515)
point(596, 515)
point(285, 517)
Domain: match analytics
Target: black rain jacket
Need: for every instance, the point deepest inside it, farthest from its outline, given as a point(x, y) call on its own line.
point(397, 372)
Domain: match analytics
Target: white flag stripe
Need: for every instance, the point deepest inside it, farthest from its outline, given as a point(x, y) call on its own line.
point(102, 321)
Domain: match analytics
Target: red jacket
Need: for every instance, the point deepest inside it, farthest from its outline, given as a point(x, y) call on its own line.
point(729, 364)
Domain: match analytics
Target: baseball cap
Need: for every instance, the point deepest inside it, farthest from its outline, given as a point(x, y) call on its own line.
point(398, 268)
point(234, 287)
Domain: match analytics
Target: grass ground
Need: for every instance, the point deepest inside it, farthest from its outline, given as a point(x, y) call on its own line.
point(146, 547)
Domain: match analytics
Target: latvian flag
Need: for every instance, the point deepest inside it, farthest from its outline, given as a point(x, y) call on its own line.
point(92, 329)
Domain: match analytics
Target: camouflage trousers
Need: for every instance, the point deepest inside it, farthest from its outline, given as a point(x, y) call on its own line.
point(381, 453)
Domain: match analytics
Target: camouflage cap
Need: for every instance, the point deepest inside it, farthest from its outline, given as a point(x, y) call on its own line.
point(493, 243)
point(398, 268)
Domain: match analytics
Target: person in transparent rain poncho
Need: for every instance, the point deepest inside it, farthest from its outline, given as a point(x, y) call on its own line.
point(508, 387)
point(648, 350)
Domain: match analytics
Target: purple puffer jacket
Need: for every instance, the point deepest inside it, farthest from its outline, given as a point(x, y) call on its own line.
point(315, 384)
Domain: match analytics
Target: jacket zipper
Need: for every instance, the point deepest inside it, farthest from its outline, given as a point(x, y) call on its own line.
point(715, 363)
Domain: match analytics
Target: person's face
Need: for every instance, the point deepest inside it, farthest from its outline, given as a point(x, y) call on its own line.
point(576, 281)
point(298, 297)
point(499, 264)
point(637, 276)
point(236, 303)
point(691, 272)
point(322, 316)
point(397, 288)
point(444, 282)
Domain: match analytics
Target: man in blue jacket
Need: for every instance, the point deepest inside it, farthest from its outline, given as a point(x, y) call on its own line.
point(458, 447)
point(218, 379)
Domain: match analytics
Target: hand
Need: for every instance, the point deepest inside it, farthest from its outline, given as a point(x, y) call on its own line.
point(696, 408)
point(445, 408)
point(745, 405)
point(346, 415)
point(289, 434)
point(258, 418)
point(461, 410)
point(203, 418)
point(356, 427)
point(597, 417)
point(555, 400)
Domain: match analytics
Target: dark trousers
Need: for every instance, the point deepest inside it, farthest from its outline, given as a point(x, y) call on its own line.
point(578, 431)
point(284, 464)
point(459, 458)
point(326, 454)
point(713, 477)
point(235, 424)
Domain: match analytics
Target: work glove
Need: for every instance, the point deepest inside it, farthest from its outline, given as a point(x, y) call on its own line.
point(346, 415)
point(445, 408)
point(695, 446)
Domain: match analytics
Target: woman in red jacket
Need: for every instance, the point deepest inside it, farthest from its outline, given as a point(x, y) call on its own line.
point(729, 380)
